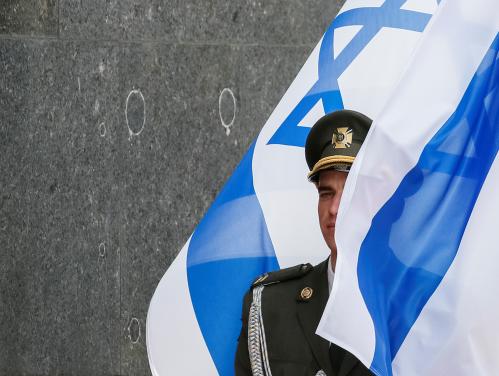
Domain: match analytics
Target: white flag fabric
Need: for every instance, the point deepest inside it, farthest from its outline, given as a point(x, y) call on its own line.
point(265, 217)
point(416, 286)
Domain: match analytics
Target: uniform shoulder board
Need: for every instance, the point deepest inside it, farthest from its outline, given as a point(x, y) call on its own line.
point(283, 275)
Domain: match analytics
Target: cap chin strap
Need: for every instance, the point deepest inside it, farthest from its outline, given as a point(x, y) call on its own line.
point(333, 162)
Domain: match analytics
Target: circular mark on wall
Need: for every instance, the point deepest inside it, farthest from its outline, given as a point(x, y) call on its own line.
point(102, 249)
point(134, 330)
point(135, 112)
point(102, 129)
point(227, 109)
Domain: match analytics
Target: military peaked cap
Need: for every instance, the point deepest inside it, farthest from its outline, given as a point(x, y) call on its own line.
point(334, 141)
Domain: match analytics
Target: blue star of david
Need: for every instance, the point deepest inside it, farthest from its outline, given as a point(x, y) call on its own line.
point(372, 20)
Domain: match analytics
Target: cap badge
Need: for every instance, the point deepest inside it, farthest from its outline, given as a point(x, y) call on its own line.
point(342, 138)
point(306, 293)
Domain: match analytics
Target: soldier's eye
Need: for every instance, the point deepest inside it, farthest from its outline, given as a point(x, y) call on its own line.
point(326, 194)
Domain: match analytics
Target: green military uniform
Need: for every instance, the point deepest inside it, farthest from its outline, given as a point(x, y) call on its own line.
point(282, 310)
point(292, 304)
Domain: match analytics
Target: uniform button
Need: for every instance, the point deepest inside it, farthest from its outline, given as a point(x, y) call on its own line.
point(306, 293)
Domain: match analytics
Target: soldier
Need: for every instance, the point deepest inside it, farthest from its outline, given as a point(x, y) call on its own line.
point(282, 310)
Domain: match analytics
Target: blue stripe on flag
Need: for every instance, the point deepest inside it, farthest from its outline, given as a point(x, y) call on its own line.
point(372, 20)
point(230, 247)
point(415, 236)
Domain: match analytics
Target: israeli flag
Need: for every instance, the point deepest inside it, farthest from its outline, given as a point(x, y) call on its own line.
point(417, 283)
point(265, 217)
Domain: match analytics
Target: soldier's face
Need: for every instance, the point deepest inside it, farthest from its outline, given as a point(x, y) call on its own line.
point(330, 188)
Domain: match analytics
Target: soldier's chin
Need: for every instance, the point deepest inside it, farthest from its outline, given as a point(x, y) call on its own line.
point(331, 244)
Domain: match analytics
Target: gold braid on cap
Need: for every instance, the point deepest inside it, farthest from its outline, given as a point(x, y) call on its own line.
point(330, 161)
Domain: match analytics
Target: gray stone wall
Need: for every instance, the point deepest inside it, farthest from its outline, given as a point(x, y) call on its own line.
point(112, 147)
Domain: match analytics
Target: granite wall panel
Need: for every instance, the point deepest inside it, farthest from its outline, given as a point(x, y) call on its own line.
point(120, 121)
point(287, 22)
point(60, 179)
point(29, 17)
